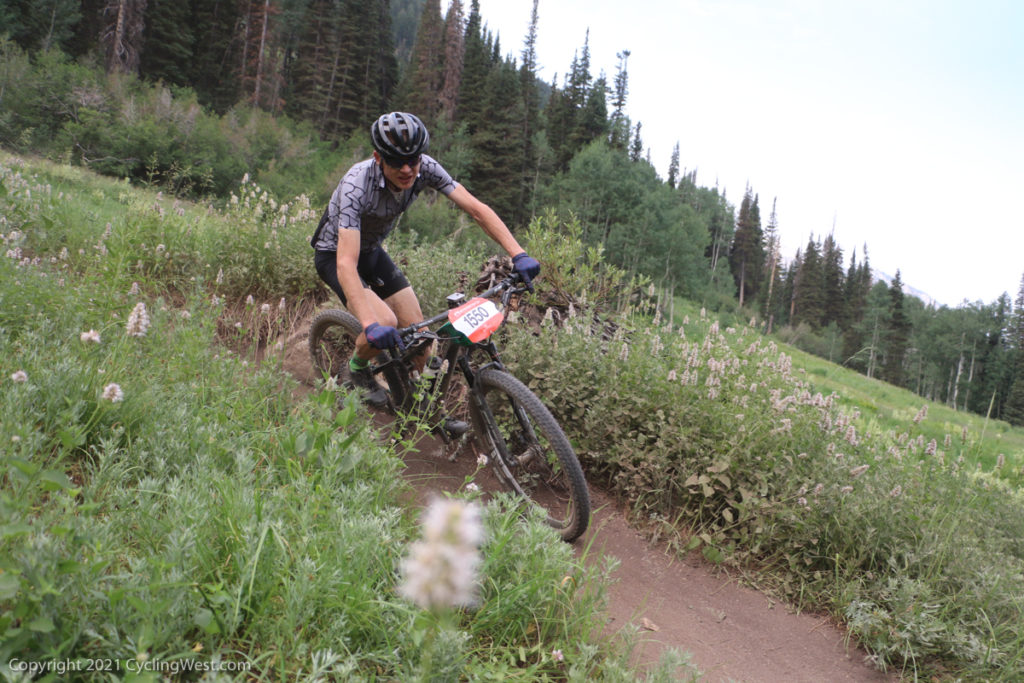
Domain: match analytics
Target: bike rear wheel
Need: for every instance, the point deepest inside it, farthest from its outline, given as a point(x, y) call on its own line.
point(332, 340)
point(529, 452)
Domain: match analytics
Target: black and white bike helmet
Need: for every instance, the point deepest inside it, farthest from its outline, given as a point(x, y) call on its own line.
point(399, 135)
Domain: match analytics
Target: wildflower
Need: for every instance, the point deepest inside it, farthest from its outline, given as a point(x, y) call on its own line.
point(249, 301)
point(851, 435)
point(19, 376)
point(220, 276)
point(90, 336)
point(624, 353)
point(265, 309)
point(1000, 461)
point(963, 435)
point(896, 492)
point(858, 470)
point(138, 321)
point(481, 460)
point(846, 489)
point(134, 289)
point(801, 501)
point(557, 656)
point(671, 375)
point(186, 315)
point(238, 325)
point(281, 305)
point(947, 442)
point(472, 487)
point(921, 414)
point(818, 488)
point(112, 392)
point(932, 447)
point(440, 570)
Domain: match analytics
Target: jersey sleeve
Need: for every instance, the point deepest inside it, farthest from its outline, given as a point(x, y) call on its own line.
point(435, 176)
point(347, 203)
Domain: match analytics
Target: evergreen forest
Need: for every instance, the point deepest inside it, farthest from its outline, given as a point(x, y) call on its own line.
point(192, 95)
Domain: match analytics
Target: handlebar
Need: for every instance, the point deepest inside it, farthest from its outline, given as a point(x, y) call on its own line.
point(507, 287)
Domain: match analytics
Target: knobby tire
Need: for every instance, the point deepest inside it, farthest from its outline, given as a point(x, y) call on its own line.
point(529, 451)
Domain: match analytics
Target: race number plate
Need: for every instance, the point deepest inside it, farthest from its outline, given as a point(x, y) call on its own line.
point(477, 319)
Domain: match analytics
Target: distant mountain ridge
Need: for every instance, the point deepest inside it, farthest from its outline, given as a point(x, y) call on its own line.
point(928, 299)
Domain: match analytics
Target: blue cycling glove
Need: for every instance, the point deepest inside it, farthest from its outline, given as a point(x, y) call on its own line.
point(527, 267)
point(383, 337)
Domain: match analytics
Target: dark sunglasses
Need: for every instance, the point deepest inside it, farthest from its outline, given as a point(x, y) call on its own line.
point(399, 162)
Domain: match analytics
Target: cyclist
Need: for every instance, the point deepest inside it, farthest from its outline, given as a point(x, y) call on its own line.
point(364, 208)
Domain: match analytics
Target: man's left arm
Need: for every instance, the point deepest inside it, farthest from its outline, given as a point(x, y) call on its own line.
point(486, 218)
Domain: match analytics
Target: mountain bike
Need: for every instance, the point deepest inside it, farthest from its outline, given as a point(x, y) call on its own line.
point(520, 438)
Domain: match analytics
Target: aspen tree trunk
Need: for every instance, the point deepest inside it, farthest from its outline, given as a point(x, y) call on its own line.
point(959, 372)
point(970, 375)
point(261, 56)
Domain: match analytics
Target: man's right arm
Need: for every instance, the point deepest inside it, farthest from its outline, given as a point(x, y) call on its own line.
point(348, 277)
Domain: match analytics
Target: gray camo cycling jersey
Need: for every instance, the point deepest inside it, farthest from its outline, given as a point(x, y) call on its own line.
point(362, 201)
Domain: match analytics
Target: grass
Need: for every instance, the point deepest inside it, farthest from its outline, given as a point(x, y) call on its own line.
point(209, 517)
point(168, 507)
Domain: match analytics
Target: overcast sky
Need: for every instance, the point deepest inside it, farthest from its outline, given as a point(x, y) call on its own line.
point(900, 122)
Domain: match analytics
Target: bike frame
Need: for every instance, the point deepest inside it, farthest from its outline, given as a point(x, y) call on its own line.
point(398, 366)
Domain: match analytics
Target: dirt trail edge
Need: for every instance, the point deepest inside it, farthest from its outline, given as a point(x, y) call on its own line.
point(732, 632)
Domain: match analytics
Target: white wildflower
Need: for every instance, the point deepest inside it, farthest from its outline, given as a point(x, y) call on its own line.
point(557, 655)
point(921, 414)
point(134, 289)
point(846, 489)
point(472, 487)
point(249, 301)
point(265, 309)
point(858, 470)
point(90, 336)
point(112, 392)
point(896, 492)
point(20, 376)
point(481, 460)
point(440, 570)
point(138, 321)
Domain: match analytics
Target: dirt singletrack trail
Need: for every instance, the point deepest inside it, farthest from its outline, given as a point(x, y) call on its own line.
point(732, 632)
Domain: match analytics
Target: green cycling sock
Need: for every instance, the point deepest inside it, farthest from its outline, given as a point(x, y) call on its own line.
point(357, 363)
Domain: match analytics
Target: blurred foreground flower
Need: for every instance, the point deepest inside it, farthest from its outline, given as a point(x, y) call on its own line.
point(440, 570)
point(19, 376)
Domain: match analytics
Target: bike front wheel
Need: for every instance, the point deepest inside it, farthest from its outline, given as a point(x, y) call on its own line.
point(332, 340)
point(529, 452)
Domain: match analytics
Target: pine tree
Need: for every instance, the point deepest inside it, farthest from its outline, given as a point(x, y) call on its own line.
point(619, 122)
point(772, 268)
point(1013, 412)
point(454, 46)
point(746, 256)
point(40, 24)
point(529, 167)
point(211, 69)
point(425, 75)
point(673, 164)
point(169, 41)
point(899, 334)
point(476, 66)
point(636, 147)
point(835, 299)
point(809, 290)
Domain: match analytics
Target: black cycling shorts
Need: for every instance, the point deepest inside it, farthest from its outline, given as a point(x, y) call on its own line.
point(376, 270)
